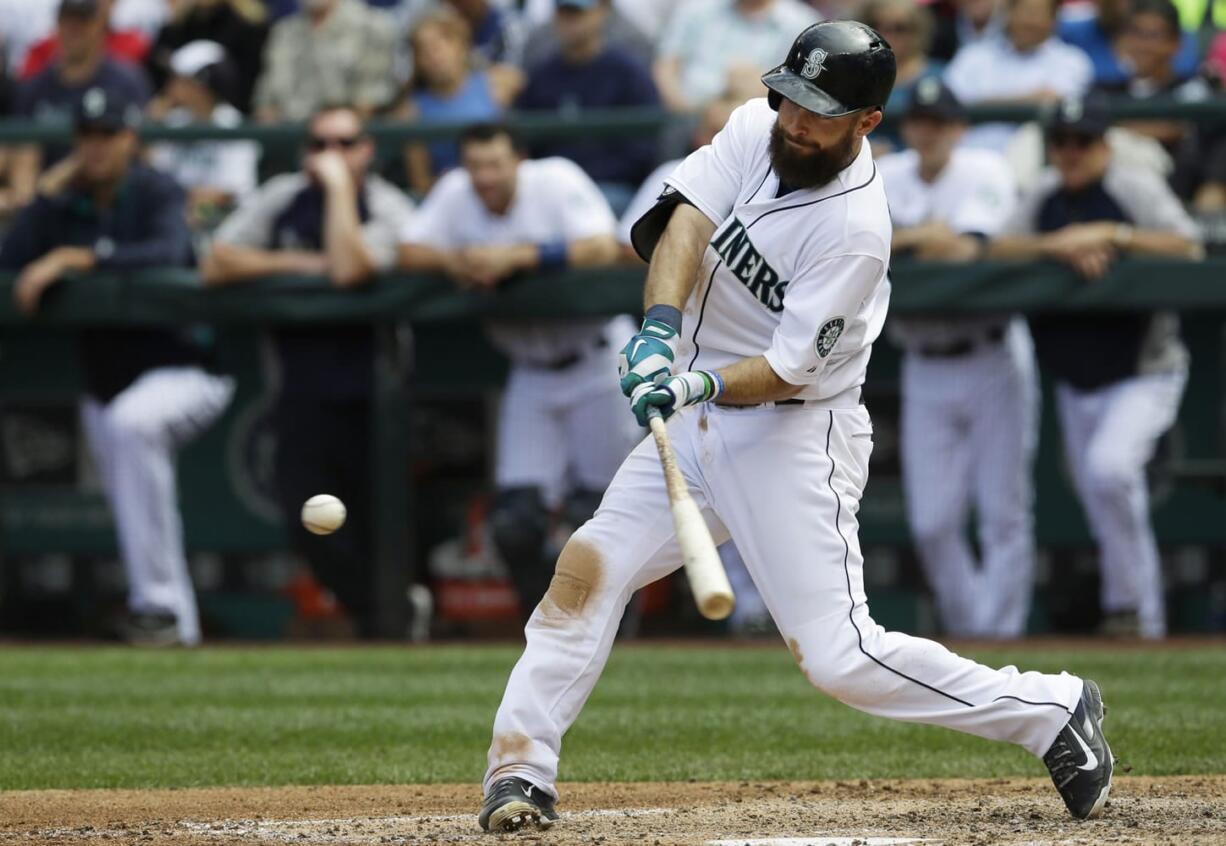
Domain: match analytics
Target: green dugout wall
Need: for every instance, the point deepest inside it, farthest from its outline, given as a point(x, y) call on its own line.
point(47, 506)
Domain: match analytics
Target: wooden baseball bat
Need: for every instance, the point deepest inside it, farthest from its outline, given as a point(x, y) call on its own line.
point(708, 581)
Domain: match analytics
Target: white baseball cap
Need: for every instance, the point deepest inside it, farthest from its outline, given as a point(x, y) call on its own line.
point(195, 56)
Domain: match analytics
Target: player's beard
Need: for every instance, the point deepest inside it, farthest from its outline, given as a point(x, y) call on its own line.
point(799, 170)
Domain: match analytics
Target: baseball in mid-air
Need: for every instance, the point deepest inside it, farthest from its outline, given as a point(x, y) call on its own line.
point(323, 514)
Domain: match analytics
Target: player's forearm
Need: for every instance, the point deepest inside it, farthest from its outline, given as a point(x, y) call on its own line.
point(597, 251)
point(751, 381)
point(226, 263)
point(349, 260)
point(424, 259)
point(674, 264)
point(1152, 242)
point(1016, 248)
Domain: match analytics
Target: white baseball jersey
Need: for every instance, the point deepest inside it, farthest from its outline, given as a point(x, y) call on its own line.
point(800, 278)
point(974, 194)
point(554, 201)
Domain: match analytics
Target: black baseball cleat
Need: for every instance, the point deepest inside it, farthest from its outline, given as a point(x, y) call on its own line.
point(1080, 760)
point(515, 803)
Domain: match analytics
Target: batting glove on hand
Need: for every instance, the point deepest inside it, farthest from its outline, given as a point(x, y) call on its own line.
point(648, 357)
point(689, 388)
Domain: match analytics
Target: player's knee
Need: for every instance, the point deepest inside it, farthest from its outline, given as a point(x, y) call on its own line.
point(519, 524)
point(128, 423)
point(835, 671)
point(1109, 474)
point(581, 575)
point(931, 526)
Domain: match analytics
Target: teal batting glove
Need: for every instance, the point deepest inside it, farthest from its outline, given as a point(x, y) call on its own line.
point(648, 357)
point(675, 392)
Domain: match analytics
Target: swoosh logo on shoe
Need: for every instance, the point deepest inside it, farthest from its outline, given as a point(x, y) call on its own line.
point(1088, 725)
point(1091, 758)
point(528, 790)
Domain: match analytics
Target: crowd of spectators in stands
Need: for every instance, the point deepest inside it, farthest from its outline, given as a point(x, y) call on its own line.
point(460, 61)
point(334, 65)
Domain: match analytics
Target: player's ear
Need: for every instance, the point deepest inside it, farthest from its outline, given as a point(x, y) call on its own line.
point(869, 121)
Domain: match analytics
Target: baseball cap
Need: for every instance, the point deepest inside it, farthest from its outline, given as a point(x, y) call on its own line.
point(106, 110)
point(193, 57)
point(1080, 116)
point(932, 98)
point(577, 4)
point(79, 8)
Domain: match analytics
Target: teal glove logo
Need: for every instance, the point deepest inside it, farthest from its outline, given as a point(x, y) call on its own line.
point(648, 357)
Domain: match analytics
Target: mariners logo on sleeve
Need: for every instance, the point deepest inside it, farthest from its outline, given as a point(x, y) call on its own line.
point(828, 336)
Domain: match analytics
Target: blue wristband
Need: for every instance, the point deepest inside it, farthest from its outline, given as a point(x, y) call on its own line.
point(670, 316)
point(552, 255)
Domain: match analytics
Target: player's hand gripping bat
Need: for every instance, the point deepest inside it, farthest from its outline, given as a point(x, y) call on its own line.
point(708, 581)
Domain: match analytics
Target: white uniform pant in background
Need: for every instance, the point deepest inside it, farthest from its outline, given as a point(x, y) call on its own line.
point(785, 484)
point(1109, 436)
point(969, 432)
point(133, 439)
point(561, 430)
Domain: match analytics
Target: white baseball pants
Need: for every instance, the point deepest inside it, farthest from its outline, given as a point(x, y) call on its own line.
point(969, 433)
point(785, 484)
point(564, 429)
point(1109, 436)
point(133, 439)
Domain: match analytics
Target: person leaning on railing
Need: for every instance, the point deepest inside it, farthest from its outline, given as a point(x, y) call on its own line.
point(331, 219)
point(147, 390)
point(1119, 376)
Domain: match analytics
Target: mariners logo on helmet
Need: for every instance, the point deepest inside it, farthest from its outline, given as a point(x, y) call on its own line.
point(813, 63)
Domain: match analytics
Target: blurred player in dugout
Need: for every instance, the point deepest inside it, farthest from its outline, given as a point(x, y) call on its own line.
point(562, 432)
point(334, 219)
point(970, 394)
point(1119, 377)
point(147, 390)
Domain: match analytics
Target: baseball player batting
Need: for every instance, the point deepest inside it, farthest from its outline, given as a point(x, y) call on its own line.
point(769, 251)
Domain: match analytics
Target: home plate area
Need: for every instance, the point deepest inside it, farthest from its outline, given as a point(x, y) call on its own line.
point(1186, 809)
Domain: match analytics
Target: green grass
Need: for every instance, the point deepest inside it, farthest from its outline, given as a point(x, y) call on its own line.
point(124, 718)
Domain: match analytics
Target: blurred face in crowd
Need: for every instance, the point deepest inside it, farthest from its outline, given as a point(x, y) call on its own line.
point(317, 7)
point(104, 155)
point(340, 131)
point(933, 139)
point(492, 165)
point(186, 93)
point(1112, 14)
point(81, 36)
point(440, 54)
point(1030, 23)
point(1151, 44)
point(1081, 159)
point(978, 12)
point(808, 150)
point(580, 30)
point(899, 24)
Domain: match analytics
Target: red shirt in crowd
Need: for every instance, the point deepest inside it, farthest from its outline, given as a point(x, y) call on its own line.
point(127, 45)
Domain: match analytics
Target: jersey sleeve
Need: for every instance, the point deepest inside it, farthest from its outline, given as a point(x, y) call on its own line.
point(1150, 202)
point(435, 222)
point(989, 200)
point(251, 224)
point(817, 311)
point(711, 176)
point(643, 200)
point(582, 210)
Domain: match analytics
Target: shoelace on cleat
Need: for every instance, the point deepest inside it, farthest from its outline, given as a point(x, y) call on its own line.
point(1062, 762)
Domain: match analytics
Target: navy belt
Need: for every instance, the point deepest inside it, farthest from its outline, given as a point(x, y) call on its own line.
point(959, 349)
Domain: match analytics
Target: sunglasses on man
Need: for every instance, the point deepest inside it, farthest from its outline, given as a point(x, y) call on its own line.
point(317, 143)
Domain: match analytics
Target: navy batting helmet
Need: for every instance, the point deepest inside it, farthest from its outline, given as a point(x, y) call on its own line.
point(834, 68)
